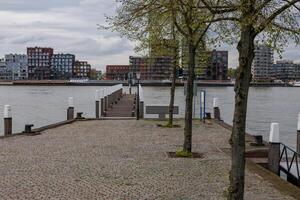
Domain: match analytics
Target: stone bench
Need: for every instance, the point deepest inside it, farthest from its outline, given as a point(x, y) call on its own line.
point(161, 110)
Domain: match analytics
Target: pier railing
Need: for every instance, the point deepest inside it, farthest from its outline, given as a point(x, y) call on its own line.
point(109, 97)
point(289, 164)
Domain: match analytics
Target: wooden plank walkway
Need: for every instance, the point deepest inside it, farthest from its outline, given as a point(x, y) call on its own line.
point(123, 108)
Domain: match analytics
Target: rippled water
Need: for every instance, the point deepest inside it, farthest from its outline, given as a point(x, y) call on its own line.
point(42, 105)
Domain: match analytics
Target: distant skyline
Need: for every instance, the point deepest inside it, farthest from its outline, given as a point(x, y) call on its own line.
point(70, 26)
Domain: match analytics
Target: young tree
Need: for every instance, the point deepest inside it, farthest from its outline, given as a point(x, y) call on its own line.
point(275, 22)
point(191, 23)
point(132, 21)
point(149, 24)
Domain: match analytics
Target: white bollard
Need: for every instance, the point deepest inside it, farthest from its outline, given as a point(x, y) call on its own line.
point(274, 148)
point(7, 120)
point(274, 133)
point(71, 102)
point(215, 102)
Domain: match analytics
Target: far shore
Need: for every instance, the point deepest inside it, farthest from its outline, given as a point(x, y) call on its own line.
point(153, 83)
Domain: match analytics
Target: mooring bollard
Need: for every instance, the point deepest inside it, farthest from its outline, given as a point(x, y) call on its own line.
point(97, 102)
point(217, 114)
point(70, 110)
point(7, 120)
point(298, 134)
point(102, 103)
point(105, 100)
point(141, 109)
point(274, 149)
point(129, 88)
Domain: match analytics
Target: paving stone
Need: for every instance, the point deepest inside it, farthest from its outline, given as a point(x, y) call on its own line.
point(122, 160)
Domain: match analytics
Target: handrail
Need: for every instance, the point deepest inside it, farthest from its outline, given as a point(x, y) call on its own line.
point(289, 162)
point(110, 90)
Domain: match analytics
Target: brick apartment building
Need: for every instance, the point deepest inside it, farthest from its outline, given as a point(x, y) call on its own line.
point(217, 66)
point(156, 68)
point(39, 62)
point(117, 72)
point(82, 69)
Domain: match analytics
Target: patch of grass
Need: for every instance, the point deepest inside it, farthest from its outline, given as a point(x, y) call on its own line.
point(185, 154)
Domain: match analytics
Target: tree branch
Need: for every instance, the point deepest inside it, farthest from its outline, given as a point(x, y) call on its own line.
point(269, 20)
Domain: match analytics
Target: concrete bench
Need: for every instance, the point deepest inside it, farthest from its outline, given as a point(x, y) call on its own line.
point(161, 110)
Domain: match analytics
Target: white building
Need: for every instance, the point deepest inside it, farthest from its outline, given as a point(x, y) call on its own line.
point(262, 63)
point(16, 66)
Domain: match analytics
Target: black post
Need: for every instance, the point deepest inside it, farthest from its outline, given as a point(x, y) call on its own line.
point(298, 134)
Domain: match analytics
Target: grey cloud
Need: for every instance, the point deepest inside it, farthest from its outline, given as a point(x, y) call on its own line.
point(71, 26)
point(35, 5)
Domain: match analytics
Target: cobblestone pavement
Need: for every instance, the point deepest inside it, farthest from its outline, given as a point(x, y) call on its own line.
point(120, 160)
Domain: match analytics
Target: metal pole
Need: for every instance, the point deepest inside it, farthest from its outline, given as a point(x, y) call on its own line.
point(204, 106)
point(298, 134)
point(138, 101)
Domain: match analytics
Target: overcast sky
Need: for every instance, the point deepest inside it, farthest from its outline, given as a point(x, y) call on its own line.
point(70, 26)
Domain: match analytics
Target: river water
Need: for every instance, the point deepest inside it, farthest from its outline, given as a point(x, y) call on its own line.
point(43, 105)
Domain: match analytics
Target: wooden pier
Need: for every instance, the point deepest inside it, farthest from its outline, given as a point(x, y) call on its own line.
point(123, 108)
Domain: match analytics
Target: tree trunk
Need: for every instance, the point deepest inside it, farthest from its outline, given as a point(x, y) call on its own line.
point(237, 140)
point(172, 97)
point(187, 146)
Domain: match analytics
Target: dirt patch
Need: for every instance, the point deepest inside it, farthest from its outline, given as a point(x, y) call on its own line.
point(194, 155)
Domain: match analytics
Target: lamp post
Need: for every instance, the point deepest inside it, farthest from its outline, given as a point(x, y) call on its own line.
point(138, 76)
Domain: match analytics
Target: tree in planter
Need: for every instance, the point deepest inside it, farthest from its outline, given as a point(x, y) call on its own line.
point(188, 20)
point(164, 42)
point(193, 24)
point(273, 21)
point(149, 24)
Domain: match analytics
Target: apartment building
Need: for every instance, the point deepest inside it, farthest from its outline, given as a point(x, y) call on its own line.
point(62, 66)
point(286, 70)
point(217, 66)
point(155, 68)
point(16, 66)
point(39, 62)
point(262, 64)
point(3, 72)
point(82, 69)
point(117, 72)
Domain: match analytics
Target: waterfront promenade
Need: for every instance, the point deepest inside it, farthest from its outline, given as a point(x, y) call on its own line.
point(125, 159)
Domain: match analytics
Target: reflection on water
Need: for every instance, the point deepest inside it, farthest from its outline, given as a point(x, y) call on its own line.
point(42, 105)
